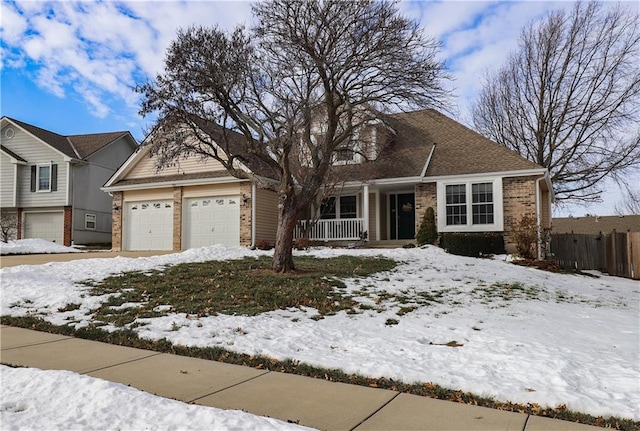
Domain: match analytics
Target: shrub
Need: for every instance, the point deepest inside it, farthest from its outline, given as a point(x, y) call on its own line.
point(473, 244)
point(525, 235)
point(263, 244)
point(427, 234)
point(303, 243)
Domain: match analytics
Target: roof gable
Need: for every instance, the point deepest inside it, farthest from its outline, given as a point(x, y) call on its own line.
point(73, 146)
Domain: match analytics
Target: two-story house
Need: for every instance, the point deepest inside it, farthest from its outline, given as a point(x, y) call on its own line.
point(52, 182)
point(403, 164)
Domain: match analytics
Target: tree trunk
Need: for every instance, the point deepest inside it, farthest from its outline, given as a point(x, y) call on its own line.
point(283, 253)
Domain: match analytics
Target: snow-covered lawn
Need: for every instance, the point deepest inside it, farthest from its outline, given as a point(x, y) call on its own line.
point(33, 399)
point(34, 246)
point(526, 335)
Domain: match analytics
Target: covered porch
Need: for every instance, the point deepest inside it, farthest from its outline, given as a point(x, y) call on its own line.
point(372, 214)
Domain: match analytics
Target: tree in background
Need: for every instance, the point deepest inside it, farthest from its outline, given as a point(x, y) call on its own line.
point(8, 225)
point(288, 94)
point(569, 98)
point(630, 204)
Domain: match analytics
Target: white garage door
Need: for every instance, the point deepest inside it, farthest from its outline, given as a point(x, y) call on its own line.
point(149, 225)
point(49, 226)
point(211, 220)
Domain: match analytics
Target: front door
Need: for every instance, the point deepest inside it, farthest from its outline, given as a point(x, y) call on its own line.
point(402, 216)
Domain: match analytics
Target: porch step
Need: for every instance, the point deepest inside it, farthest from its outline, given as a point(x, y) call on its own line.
point(388, 243)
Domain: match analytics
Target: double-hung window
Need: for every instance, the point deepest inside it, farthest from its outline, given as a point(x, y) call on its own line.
point(44, 178)
point(339, 207)
point(470, 206)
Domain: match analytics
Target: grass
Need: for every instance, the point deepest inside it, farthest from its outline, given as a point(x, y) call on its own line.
point(237, 287)
point(248, 287)
point(128, 337)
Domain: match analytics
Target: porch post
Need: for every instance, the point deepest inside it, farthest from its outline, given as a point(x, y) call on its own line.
point(365, 209)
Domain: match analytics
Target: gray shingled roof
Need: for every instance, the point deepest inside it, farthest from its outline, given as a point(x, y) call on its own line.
point(458, 150)
point(594, 225)
point(75, 146)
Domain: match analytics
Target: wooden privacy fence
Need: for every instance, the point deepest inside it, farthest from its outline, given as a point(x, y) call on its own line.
point(617, 253)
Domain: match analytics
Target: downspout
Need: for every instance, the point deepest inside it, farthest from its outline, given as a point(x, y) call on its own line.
point(254, 190)
point(539, 217)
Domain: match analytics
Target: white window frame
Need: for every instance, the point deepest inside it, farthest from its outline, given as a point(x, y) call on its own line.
point(337, 203)
point(498, 211)
point(87, 220)
point(38, 166)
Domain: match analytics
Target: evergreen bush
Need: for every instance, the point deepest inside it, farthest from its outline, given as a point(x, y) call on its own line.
point(428, 233)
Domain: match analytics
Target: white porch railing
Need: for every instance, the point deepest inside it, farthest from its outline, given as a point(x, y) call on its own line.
point(347, 229)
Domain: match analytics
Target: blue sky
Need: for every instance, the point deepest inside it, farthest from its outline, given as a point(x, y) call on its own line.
point(70, 66)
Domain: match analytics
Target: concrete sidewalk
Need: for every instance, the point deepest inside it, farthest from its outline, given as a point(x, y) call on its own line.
point(311, 402)
point(39, 259)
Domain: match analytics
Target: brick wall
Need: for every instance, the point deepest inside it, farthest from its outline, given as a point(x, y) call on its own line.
point(245, 214)
point(116, 222)
point(519, 199)
point(68, 226)
point(425, 197)
point(177, 218)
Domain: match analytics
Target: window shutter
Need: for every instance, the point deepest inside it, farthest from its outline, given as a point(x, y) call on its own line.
point(54, 178)
point(33, 178)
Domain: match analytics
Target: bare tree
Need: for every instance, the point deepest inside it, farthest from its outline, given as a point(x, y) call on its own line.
point(569, 98)
point(295, 87)
point(8, 225)
point(630, 204)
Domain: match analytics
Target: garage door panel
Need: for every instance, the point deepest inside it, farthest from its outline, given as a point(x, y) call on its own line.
point(149, 225)
point(211, 220)
point(44, 225)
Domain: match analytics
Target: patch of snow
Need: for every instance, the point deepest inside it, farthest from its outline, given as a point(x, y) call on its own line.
point(526, 335)
point(34, 246)
point(61, 400)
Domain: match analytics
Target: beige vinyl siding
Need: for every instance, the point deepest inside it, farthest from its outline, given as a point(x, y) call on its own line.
point(266, 215)
point(211, 190)
point(7, 181)
point(141, 195)
point(146, 168)
point(36, 152)
point(371, 234)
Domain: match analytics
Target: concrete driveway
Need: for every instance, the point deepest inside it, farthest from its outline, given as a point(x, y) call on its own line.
point(39, 259)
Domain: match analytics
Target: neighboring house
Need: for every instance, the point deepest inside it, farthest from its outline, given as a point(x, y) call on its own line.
point(594, 225)
point(397, 168)
point(52, 182)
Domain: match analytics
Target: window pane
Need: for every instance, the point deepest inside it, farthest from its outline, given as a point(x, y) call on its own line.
point(328, 209)
point(348, 207)
point(482, 203)
point(44, 178)
point(456, 204)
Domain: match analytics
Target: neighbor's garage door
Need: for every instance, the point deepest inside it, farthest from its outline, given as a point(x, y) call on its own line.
point(149, 225)
point(49, 226)
point(211, 220)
